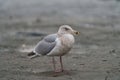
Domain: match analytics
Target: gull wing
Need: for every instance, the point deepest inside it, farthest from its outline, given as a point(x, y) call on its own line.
point(46, 45)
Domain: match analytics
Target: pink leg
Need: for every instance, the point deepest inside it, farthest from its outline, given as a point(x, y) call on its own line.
point(54, 65)
point(61, 64)
point(53, 60)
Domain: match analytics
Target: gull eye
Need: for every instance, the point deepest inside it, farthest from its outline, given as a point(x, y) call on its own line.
point(66, 29)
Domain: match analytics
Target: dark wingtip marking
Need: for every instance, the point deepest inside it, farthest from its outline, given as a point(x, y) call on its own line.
point(31, 53)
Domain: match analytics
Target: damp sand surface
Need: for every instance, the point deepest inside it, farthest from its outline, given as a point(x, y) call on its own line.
point(95, 55)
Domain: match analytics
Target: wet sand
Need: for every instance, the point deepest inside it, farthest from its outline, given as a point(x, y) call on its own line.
point(95, 55)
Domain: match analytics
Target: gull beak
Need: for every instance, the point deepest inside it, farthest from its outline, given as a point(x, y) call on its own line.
point(76, 32)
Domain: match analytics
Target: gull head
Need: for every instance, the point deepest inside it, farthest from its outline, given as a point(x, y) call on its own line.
point(66, 29)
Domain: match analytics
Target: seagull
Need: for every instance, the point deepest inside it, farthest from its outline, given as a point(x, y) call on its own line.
point(57, 44)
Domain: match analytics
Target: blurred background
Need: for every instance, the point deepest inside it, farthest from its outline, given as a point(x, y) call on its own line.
point(94, 56)
point(81, 12)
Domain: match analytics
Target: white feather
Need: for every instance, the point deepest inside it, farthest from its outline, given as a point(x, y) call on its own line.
point(63, 46)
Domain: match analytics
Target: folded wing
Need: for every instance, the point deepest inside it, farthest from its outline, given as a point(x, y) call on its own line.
point(46, 45)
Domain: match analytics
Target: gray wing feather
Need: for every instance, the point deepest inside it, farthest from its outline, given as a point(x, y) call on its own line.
point(46, 45)
point(50, 38)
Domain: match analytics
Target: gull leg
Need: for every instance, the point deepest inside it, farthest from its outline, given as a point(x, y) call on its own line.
point(54, 65)
point(53, 61)
point(61, 64)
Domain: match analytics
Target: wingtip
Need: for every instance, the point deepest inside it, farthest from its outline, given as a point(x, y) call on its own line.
point(31, 53)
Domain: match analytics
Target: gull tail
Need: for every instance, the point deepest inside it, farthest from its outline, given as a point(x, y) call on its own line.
point(32, 55)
